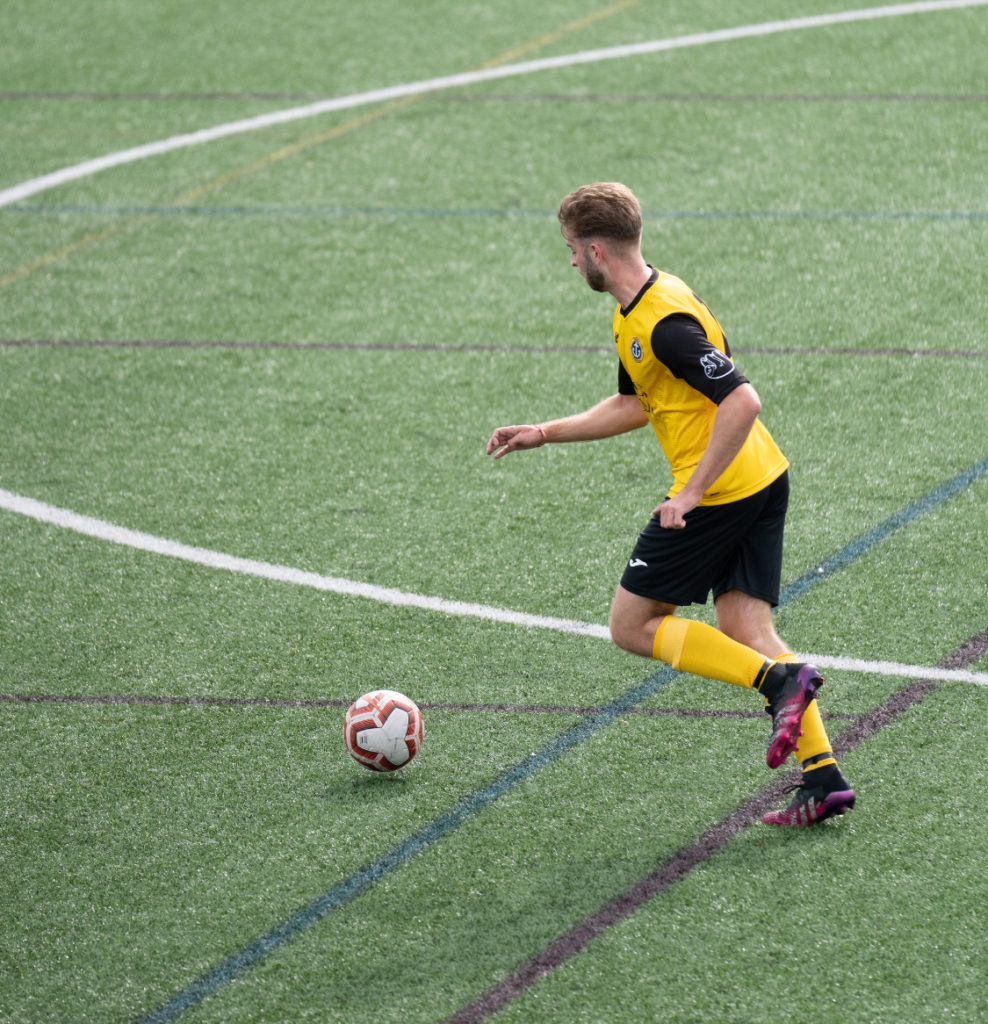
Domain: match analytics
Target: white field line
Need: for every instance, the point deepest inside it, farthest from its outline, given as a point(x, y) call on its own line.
point(892, 668)
point(102, 530)
point(282, 573)
point(34, 186)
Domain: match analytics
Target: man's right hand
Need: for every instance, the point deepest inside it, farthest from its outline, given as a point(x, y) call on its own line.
point(515, 439)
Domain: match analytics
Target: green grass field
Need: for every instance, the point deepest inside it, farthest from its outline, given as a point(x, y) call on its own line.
point(290, 345)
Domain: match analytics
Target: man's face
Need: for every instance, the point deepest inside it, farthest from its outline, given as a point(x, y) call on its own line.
point(581, 258)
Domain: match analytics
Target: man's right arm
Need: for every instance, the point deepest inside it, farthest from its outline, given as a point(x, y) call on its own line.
point(616, 414)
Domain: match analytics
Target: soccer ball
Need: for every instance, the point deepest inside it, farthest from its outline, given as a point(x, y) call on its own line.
point(383, 730)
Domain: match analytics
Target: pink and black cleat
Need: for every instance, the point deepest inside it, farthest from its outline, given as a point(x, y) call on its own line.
point(791, 688)
point(814, 803)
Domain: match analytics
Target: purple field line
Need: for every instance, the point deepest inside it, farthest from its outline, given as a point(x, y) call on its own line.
point(357, 346)
point(681, 863)
point(292, 702)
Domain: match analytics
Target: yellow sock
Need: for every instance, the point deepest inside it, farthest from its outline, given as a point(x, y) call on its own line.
point(813, 747)
point(695, 647)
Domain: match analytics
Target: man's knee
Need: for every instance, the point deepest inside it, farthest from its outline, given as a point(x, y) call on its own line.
point(749, 621)
point(623, 635)
point(634, 621)
point(618, 625)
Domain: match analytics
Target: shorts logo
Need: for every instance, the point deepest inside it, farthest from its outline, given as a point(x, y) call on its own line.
point(716, 365)
point(636, 350)
point(636, 563)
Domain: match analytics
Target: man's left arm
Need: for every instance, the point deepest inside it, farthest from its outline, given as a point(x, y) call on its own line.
point(733, 421)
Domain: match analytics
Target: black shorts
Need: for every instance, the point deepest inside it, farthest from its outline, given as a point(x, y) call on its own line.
point(737, 546)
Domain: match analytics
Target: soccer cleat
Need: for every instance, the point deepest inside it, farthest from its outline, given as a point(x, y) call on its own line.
point(791, 688)
point(813, 803)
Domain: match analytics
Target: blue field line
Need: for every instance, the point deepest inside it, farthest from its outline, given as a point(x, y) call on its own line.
point(69, 209)
point(873, 537)
point(349, 888)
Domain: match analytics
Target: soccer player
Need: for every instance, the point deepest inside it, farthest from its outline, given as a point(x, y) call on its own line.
point(720, 527)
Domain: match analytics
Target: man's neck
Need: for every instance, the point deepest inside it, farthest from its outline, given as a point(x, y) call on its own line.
point(628, 279)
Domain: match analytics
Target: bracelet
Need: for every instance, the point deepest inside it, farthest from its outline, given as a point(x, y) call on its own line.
point(542, 432)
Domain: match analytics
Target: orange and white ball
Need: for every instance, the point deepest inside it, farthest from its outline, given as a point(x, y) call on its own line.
point(383, 730)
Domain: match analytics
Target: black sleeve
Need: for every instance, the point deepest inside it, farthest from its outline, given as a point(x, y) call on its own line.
point(680, 342)
point(625, 386)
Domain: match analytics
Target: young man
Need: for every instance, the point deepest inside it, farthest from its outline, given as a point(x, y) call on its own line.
point(720, 528)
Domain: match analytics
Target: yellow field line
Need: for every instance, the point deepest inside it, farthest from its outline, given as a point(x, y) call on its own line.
point(552, 37)
point(303, 144)
point(94, 238)
point(389, 108)
point(293, 150)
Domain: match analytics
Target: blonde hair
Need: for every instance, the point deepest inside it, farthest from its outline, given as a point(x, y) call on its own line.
point(606, 209)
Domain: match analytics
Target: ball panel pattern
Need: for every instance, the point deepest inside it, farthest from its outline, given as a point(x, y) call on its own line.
point(383, 730)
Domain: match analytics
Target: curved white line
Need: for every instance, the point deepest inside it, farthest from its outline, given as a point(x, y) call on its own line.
point(102, 530)
point(127, 156)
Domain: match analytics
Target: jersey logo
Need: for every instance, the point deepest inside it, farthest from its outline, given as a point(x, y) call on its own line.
point(716, 365)
point(636, 350)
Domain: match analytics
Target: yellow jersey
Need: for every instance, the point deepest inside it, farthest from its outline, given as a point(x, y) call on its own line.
point(675, 358)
